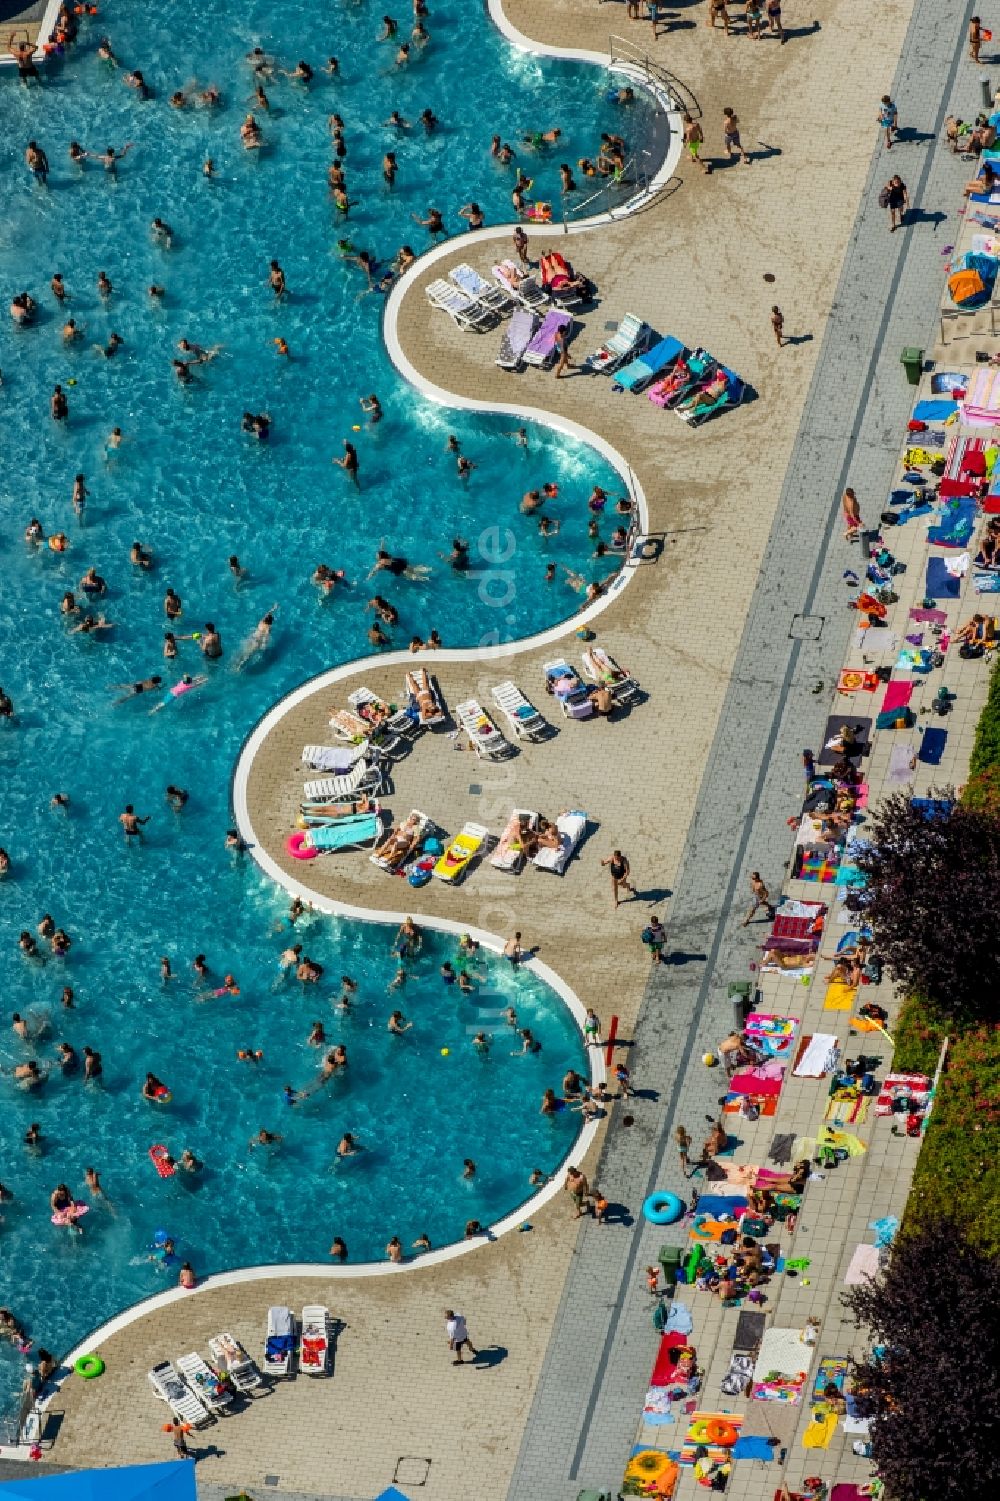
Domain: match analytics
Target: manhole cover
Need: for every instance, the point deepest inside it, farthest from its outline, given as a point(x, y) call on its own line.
point(806, 627)
point(411, 1470)
point(475, 789)
point(271, 1479)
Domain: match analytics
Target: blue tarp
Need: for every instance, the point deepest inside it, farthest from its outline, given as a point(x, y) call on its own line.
point(172, 1481)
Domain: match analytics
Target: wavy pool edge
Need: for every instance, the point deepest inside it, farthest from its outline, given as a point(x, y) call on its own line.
point(585, 1139)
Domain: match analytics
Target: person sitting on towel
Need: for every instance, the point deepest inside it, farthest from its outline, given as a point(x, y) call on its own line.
point(979, 631)
point(984, 183)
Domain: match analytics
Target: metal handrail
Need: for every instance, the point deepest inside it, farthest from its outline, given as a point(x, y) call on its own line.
point(624, 51)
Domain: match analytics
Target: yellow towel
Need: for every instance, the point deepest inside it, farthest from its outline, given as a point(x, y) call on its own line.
point(821, 1430)
point(839, 996)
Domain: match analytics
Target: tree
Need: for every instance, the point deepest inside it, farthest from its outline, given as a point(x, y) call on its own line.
point(931, 895)
point(931, 1393)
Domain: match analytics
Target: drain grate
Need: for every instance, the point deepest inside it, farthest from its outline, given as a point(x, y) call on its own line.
point(411, 1470)
point(475, 789)
point(271, 1479)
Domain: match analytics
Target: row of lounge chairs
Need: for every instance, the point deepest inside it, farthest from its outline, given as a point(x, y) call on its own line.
point(691, 383)
point(197, 1391)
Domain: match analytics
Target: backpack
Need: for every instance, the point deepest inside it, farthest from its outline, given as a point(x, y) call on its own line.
point(883, 198)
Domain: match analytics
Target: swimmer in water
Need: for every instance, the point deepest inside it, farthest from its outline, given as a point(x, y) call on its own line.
point(347, 1146)
point(265, 1139)
point(348, 990)
point(422, 1242)
point(398, 1024)
point(349, 464)
point(186, 685)
point(481, 1043)
point(258, 640)
point(394, 1249)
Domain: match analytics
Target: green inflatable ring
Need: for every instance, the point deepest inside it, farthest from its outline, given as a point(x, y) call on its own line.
point(89, 1366)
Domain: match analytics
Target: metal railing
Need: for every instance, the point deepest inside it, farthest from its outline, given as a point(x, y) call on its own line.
point(624, 51)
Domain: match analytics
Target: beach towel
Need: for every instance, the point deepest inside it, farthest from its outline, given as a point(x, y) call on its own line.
point(938, 582)
point(665, 1368)
point(657, 1408)
point(820, 1431)
point(863, 1265)
point(911, 1089)
point(933, 411)
point(749, 1330)
point(723, 1205)
point(828, 756)
point(932, 746)
point(901, 759)
point(765, 1079)
point(772, 1034)
point(735, 1381)
point(956, 525)
point(755, 1446)
point(848, 1110)
point(839, 996)
point(856, 680)
point(897, 696)
point(985, 582)
point(817, 865)
point(819, 1057)
point(679, 1319)
point(696, 1438)
point(782, 1367)
point(831, 1368)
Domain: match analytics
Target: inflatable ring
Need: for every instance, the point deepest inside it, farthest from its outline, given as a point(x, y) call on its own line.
point(89, 1366)
point(294, 846)
point(699, 1432)
point(662, 1208)
point(721, 1433)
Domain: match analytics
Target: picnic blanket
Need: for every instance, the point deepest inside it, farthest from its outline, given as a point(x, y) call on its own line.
point(914, 1089)
point(782, 1367)
point(839, 996)
point(863, 1264)
point(819, 1057)
point(828, 756)
point(938, 582)
point(772, 1034)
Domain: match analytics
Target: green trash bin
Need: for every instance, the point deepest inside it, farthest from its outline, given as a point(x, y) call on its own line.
point(912, 361)
point(670, 1260)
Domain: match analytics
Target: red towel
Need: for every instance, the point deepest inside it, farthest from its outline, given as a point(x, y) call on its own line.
point(951, 489)
point(666, 1359)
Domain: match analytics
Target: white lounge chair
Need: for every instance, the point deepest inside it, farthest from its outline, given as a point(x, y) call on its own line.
point(630, 338)
point(466, 311)
point(420, 823)
point(509, 853)
point(434, 714)
point(469, 281)
point(518, 334)
point(179, 1397)
point(600, 667)
point(523, 718)
point(364, 776)
point(487, 740)
point(572, 826)
point(525, 289)
point(337, 759)
point(204, 1382)
point(376, 712)
point(314, 1342)
point(280, 1342)
point(230, 1356)
point(567, 688)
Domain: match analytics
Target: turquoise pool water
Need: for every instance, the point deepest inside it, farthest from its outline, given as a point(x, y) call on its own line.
point(193, 489)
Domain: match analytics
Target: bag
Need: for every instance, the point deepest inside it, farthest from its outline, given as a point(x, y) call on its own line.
point(971, 649)
point(883, 198)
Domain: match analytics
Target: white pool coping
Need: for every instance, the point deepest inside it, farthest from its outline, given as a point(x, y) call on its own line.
point(46, 26)
point(583, 1142)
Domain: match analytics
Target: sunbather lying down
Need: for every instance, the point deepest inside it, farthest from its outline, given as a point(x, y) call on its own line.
point(979, 631)
point(707, 396)
point(401, 842)
point(558, 275)
point(544, 837)
point(678, 377)
point(419, 687)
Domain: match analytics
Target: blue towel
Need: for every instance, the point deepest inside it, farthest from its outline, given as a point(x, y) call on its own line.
point(985, 582)
point(956, 525)
point(932, 807)
point(939, 583)
point(715, 1204)
point(932, 746)
point(679, 1320)
point(754, 1446)
point(933, 411)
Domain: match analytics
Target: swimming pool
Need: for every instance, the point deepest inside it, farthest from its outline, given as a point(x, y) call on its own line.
point(193, 489)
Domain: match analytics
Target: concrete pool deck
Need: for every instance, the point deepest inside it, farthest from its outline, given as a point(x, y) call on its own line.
point(679, 625)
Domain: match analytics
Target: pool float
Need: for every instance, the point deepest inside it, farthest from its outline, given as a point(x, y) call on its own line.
point(541, 213)
point(421, 873)
point(719, 1432)
point(663, 1208)
point(162, 1095)
point(295, 845)
point(698, 1433)
point(89, 1366)
point(66, 1217)
point(160, 1158)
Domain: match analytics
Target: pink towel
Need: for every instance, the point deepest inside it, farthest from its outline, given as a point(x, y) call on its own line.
point(897, 696)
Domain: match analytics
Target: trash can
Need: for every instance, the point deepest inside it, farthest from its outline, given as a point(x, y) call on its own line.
point(740, 993)
point(912, 361)
point(987, 94)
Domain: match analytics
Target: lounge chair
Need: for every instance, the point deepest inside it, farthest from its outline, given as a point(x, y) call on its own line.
point(314, 1343)
point(523, 718)
point(374, 709)
point(206, 1384)
point(682, 380)
point(280, 1342)
point(429, 713)
point(337, 759)
point(572, 827)
point(649, 366)
point(349, 726)
point(185, 1406)
point(487, 741)
point(525, 289)
point(509, 853)
point(630, 338)
point(601, 667)
point(452, 865)
point(364, 776)
point(542, 349)
point(566, 685)
point(466, 311)
point(730, 397)
point(469, 281)
point(515, 339)
point(230, 1357)
point(334, 834)
point(416, 822)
